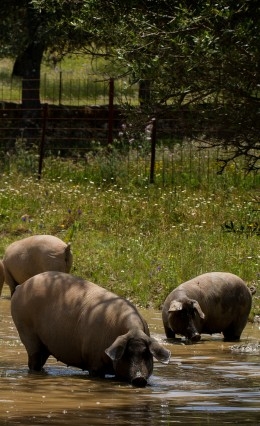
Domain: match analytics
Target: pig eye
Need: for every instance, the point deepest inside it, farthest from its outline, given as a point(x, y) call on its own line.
point(145, 353)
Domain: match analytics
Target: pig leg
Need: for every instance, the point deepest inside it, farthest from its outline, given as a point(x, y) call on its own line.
point(37, 352)
point(37, 360)
point(169, 332)
point(232, 333)
point(10, 281)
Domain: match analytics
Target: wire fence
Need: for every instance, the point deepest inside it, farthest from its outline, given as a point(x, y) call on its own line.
point(63, 88)
point(81, 119)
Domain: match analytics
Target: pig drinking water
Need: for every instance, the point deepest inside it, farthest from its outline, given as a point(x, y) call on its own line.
point(83, 325)
point(214, 302)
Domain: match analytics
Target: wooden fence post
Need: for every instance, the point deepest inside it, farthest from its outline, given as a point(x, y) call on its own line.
point(153, 150)
point(42, 142)
point(111, 111)
point(60, 87)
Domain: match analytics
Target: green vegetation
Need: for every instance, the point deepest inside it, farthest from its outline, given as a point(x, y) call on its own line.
point(137, 239)
point(76, 80)
point(158, 45)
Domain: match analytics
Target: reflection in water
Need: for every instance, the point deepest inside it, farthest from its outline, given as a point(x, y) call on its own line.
point(205, 383)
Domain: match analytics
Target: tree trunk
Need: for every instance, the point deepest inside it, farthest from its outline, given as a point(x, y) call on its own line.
point(28, 67)
point(144, 92)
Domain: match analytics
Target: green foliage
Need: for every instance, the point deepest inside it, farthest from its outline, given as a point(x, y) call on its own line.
point(199, 53)
point(138, 240)
point(76, 80)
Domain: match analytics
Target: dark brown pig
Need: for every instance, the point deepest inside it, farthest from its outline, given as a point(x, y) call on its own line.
point(85, 326)
point(214, 302)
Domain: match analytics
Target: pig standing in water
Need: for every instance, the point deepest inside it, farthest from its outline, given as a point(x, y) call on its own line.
point(85, 326)
point(39, 253)
point(214, 302)
point(2, 275)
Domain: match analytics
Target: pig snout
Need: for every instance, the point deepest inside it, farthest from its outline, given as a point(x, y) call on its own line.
point(192, 333)
point(139, 375)
point(134, 372)
point(195, 337)
point(139, 380)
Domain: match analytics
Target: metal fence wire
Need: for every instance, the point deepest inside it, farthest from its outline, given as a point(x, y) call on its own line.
point(80, 117)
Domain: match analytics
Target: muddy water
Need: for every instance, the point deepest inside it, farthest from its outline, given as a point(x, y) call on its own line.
point(205, 383)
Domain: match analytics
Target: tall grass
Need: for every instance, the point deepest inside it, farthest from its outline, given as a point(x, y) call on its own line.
point(137, 239)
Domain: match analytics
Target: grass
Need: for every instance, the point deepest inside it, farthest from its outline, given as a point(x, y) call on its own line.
point(136, 239)
point(75, 81)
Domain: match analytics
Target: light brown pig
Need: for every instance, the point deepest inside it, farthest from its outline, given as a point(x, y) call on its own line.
point(85, 326)
point(214, 302)
point(39, 253)
point(2, 275)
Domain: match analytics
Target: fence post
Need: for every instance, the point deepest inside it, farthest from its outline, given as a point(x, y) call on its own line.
point(42, 142)
point(153, 150)
point(60, 87)
point(111, 111)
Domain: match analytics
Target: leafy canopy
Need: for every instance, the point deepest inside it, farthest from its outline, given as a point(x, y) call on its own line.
point(202, 52)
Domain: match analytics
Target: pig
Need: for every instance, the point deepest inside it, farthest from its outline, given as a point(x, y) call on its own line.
point(84, 325)
point(2, 275)
point(213, 302)
point(32, 255)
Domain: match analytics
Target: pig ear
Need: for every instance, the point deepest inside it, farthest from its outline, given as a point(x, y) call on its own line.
point(116, 350)
point(198, 308)
point(158, 351)
point(175, 306)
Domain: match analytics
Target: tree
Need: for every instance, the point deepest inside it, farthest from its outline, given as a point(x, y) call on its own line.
point(204, 55)
point(27, 32)
point(201, 55)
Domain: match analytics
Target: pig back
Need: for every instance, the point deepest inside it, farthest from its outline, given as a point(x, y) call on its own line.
point(38, 253)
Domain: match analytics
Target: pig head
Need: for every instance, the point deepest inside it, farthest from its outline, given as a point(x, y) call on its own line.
point(185, 317)
point(132, 355)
